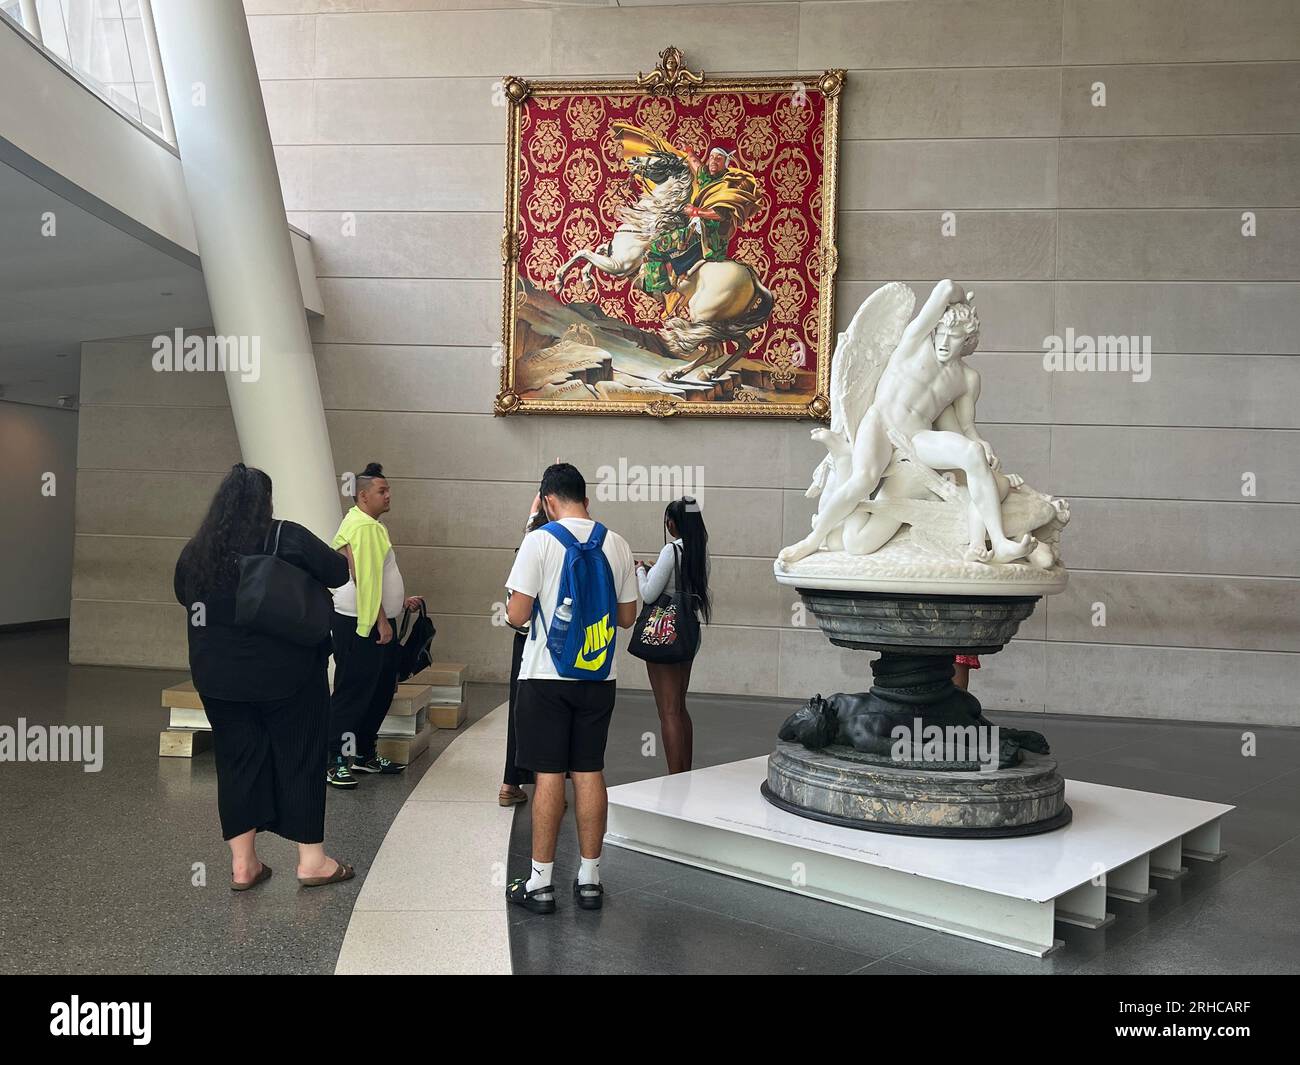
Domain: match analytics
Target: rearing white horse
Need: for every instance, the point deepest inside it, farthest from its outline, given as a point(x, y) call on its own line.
point(725, 299)
point(655, 214)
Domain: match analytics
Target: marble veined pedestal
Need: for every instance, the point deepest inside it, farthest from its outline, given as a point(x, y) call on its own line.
point(1007, 892)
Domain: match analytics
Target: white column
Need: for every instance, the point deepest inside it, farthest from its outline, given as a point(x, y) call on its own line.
point(31, 20)
point(244, 245)
point(156, 69)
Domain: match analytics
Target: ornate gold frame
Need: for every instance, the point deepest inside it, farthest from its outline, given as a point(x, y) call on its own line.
point(671, 78)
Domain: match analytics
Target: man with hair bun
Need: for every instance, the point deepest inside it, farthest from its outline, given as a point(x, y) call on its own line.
point(366, 610)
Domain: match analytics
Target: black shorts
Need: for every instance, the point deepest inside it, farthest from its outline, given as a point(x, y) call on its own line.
point(561, 725)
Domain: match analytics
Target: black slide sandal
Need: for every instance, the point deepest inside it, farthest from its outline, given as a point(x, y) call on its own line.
point(263, 875)
point(517, 892)
point(589, 896)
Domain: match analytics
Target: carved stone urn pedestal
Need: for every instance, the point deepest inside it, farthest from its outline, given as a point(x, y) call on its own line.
point(914, 755)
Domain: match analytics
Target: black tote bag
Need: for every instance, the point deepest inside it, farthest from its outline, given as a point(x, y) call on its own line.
point(277, 598)
point(415, 635)
point(667, 630)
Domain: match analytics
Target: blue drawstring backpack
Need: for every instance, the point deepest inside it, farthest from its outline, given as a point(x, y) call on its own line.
point(582, 646)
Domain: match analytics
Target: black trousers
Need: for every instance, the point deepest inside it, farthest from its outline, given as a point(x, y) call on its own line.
point(513, 774)
point(365, 679)
point(270, 759)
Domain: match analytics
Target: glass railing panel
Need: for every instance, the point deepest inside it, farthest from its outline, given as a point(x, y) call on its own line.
point(138, 53)
point(54, 34)
point(98, 49)
point(104, 43)
point(13, 10)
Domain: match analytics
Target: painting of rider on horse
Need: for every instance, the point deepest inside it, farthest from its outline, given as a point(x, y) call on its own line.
point(670, 251)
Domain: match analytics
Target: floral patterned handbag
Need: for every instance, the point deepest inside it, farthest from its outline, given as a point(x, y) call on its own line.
point(667, 630)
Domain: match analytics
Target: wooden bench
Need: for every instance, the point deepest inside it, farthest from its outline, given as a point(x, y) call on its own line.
point(439, 693)
point(446, 684)
point(434, 697)
point(188, 732)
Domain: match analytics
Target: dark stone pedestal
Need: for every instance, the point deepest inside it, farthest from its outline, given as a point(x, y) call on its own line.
point(915, 754)
point(918, 624)
point(844, 787)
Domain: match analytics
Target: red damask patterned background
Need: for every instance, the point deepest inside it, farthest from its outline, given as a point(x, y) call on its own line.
point(572, 182)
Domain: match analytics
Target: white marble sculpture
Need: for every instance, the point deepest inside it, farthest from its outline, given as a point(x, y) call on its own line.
point(902, 409)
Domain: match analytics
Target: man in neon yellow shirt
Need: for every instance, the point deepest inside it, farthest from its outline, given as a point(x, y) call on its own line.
point(365, 653)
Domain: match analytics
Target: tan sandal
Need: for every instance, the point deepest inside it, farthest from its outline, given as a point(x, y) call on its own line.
point(514, 797)
point(342, 873)
point(263, 875)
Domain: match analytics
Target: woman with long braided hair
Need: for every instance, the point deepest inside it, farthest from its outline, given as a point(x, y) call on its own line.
point(686, 547)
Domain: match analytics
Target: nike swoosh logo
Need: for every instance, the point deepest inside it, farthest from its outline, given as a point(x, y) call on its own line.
point(585, 663)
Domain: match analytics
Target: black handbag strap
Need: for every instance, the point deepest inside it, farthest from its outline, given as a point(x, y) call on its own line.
point(683, 602)
point(275, 550)
point(678, 594)
point(408, 620)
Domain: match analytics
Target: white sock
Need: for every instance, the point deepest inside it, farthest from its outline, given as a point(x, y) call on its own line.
point(541, 877)
point(589, 872)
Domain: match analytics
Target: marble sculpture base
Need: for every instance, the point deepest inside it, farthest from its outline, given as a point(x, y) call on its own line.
point(845, 787)
point(836, 759)
point(904, 567)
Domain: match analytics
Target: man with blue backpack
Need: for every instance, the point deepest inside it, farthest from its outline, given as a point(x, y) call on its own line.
point(575, 581)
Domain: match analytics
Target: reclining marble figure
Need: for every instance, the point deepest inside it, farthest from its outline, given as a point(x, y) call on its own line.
point(866, 724)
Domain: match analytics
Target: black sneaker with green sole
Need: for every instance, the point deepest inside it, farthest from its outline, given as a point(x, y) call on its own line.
point(377, 764)
point(338, 775)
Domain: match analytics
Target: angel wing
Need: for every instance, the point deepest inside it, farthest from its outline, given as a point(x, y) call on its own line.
point(863, 352)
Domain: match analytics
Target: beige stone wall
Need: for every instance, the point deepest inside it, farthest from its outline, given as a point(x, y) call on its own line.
point(1117, 220)
point(38, 477)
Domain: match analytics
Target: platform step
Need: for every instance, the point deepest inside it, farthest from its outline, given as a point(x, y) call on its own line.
point(188, 732)
point(183, 742)
point(441, 675)
point(182, 696)
point(404, 726)
point(402, 748)
point(184, 717)
point(433, 698)
point(447, 716)
point(410, 699)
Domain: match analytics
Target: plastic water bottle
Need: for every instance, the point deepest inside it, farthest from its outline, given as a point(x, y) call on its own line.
point(563, 615)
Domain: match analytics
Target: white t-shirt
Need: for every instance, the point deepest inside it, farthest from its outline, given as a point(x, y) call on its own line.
point(537, 571)
point(393, 596)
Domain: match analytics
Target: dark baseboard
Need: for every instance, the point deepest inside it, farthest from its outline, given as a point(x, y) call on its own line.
point(34, 626)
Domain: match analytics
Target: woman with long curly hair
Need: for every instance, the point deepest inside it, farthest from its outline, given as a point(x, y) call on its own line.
point(266, 698)
point(686, 547)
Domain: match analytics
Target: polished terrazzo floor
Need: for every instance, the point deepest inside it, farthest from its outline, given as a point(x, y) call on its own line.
point(1241, 915)
point(96, 869)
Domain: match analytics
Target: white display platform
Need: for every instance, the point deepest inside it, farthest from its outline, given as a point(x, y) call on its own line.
point(1007, 892)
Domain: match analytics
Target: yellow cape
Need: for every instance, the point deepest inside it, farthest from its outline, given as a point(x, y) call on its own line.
point(736, 193)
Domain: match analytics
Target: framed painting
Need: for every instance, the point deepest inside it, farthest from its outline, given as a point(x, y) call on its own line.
point(669, 244)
